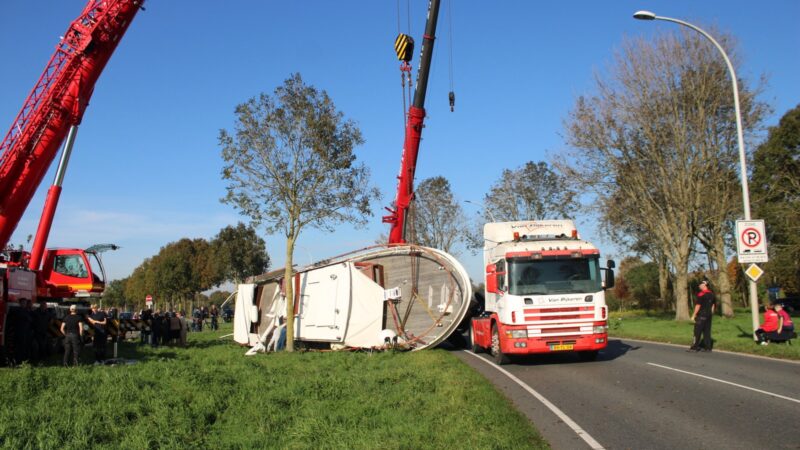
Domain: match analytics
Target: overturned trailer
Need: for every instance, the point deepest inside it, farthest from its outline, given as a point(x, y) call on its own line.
point(392, 295)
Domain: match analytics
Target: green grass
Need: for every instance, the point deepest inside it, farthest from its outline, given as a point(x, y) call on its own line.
point(212, 396)
point(733, 334)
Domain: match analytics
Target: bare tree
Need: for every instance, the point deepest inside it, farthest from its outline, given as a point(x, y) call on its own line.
point(656, 137)
point(289, 163)
point(438, 219)
point(531, 192)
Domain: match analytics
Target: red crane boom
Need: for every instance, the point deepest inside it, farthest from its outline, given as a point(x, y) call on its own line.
point(56, 104)
point(398, 216)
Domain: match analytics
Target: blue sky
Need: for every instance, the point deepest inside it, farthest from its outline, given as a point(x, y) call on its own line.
point(146, 166)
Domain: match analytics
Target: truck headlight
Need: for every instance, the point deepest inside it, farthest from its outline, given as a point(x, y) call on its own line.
point(517, 334)
point(600, 329)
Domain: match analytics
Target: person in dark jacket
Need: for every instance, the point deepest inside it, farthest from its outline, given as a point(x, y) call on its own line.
point(41, 325)
point(703, 312)
point(157, 324)
point(147, 317)
point(72, 328)
point(99, 319)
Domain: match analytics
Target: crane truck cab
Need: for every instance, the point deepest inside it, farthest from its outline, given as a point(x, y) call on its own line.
point(71, 272)
point(544, 291)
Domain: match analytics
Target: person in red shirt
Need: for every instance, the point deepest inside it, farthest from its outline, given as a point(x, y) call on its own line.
point(769, 329)
point(785, 325)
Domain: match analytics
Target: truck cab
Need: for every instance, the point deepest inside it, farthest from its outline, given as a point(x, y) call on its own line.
point(544, 291)
point(71, 272)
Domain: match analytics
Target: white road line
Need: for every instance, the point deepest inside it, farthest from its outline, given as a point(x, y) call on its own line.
point(727, 382)
point(565, 418)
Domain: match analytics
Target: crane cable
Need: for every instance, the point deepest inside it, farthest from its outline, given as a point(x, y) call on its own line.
point(451, 95)
point(405, 67)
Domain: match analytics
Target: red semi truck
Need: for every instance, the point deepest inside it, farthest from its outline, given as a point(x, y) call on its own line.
point(544, 291)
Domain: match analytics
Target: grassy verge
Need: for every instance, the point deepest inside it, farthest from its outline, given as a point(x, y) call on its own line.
point(212, 396)
point(733, 334)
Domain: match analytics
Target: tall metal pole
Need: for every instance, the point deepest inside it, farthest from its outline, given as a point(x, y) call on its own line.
point(646, 15)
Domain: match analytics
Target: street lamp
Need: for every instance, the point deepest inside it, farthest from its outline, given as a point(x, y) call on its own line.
point(481, 206)
point(648, 15)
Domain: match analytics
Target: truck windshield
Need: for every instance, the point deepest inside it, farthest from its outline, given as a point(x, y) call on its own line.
point(554, 276)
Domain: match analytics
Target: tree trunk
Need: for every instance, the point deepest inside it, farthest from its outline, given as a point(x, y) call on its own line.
point(682, 295)
point(663, 282)
point(723, 282)
point(288, 281)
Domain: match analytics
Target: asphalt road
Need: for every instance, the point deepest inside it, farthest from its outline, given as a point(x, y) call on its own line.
point(641, 395)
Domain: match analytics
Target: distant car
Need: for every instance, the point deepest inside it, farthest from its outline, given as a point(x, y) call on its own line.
point(791, 304)
point(227, 315)
point(126, 315)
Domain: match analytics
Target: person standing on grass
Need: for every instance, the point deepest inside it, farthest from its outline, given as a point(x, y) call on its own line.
point(146, 318)
point(174, 328)
point(72, 328)
point(703, 312)
point(214, 317)
point(184, 328)
point(99, 319)
point(155, 326)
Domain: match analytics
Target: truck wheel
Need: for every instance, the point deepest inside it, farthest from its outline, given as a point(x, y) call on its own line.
point(588, 355)
point(473, 346)
point(500, 358)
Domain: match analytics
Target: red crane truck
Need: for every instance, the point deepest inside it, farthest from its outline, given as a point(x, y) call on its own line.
point(544, 291)
point(51, 115)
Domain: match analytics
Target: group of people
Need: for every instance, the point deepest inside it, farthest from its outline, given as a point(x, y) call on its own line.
point(27, 332)
point(200, 315)
point(164, 328)
point(72, 329)
point(777, 326)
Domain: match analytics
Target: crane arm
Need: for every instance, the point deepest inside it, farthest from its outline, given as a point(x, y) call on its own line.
point(398, 216)
point(56, 103)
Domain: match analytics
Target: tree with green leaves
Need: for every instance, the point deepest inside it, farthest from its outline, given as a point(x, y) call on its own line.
point(114, 294)
point(239, 252)
point(290, 163)
point(776, 198)
point(438, 220)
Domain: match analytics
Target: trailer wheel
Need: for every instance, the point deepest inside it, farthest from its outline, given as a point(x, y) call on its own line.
point(500, 358)
point(474, 346)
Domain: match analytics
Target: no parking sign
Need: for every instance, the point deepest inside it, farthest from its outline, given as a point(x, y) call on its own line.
point(751, 241)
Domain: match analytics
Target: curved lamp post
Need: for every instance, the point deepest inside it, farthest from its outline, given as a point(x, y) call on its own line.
point(647, 15)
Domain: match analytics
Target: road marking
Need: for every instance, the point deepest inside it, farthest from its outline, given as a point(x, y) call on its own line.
point(728, 382)
point(565, 418)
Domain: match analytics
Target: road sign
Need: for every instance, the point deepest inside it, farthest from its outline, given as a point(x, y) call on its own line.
point(751, 241)
point(754, 272)
point(148, 300)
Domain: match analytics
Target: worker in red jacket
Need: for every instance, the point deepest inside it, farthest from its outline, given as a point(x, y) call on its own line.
point(785, 324)
point(769, 329)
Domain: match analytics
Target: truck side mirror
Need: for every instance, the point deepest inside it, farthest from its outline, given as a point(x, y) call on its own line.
point(611, 264)
point(491, 278)
point(608, 283)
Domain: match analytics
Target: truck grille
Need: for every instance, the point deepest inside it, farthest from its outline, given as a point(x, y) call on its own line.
point(559, 321)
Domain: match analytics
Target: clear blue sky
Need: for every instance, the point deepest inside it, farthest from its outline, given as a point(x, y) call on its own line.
point(146, 169)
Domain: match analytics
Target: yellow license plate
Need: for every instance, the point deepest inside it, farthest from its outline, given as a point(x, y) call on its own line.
point(561, 347)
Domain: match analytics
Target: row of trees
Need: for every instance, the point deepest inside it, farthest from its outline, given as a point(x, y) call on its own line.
point(182, 270)
point(654, 151)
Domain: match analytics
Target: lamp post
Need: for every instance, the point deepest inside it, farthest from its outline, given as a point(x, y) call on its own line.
point(648, 15)
point(481, 206)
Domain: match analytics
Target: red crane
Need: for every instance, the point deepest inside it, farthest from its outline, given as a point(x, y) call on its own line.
point(56, 105)
point(416, 116)
point(53, 111)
